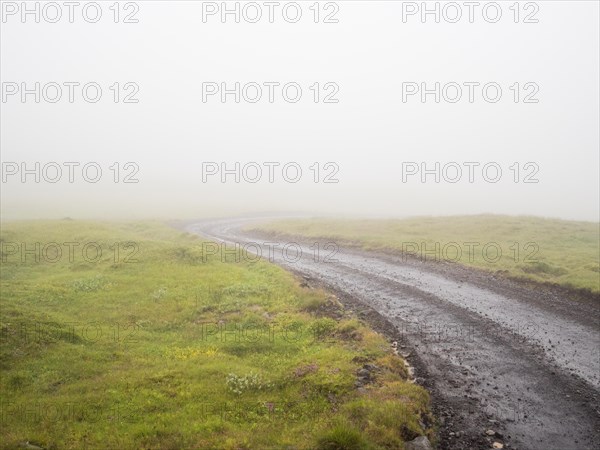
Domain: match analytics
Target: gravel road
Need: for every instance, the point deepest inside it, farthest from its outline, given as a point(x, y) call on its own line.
point(522, 361)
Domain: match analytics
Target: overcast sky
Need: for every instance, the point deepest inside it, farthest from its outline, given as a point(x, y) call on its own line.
point(372, 137)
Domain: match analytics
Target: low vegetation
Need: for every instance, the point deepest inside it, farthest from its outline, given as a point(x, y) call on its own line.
point(545, 250)
point(144, 341)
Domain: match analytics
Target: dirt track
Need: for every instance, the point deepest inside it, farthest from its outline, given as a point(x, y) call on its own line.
point(495, 354)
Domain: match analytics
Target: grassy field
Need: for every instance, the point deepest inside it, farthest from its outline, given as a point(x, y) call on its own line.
point(150, 343)
point(545, 250)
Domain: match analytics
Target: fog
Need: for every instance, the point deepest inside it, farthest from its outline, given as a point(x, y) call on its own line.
point(370, 131)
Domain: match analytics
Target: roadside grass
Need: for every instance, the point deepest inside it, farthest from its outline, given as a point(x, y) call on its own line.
point(169, 348)
point(563, 252)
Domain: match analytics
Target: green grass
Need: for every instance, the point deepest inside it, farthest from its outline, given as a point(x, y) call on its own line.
point(545, 250)
point(171, 349)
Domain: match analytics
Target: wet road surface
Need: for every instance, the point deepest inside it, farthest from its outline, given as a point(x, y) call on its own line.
point(522, 361)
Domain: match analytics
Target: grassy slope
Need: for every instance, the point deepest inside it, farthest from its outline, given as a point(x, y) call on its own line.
point(568, 251)
point(70, 380)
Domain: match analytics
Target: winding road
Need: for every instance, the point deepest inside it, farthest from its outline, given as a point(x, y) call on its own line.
point(495, 354)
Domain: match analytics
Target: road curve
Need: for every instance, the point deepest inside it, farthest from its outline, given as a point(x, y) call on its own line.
point(495, 354)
